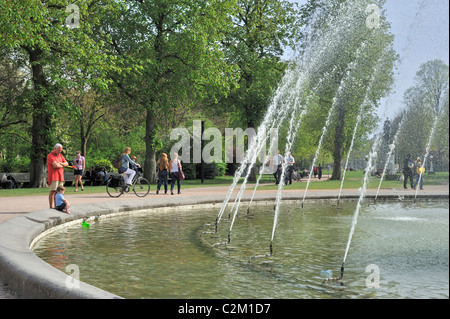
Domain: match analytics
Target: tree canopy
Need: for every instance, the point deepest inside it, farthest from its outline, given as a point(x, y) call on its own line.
point(97, 76)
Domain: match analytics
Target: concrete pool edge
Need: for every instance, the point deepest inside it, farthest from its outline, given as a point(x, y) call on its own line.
point(30, 277)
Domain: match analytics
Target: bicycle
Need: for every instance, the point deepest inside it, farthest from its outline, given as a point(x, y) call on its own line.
point(115, 186)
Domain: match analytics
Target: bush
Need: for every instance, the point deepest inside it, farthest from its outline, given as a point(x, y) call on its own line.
point(212, 170)
point(98, 163)
point(15, 165)
point(189, 170)
point(104, 163)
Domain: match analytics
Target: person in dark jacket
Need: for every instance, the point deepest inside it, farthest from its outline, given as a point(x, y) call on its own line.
point(407, 171)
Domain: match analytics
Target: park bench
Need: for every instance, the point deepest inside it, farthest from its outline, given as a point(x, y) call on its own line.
point(93, 177)
point(23, 179)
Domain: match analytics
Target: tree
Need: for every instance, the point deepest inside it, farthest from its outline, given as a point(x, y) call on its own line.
point(255, 42)
point(168, 48)
point(356, 71)
point(90, 108)
point(426, 104)
point(14, 119)
point(39, 30)
point(12, 81)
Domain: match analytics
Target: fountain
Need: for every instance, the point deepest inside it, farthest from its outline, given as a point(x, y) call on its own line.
point(312, 235)
point(288, 96)
point(291, 90)
point(289, 105)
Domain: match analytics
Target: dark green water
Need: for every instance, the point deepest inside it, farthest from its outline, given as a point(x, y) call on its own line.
point(398, 250)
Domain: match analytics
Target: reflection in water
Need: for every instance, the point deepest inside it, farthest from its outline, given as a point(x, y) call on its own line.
point(162, 255)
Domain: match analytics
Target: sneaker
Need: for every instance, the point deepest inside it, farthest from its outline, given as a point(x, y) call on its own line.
point(157, 191)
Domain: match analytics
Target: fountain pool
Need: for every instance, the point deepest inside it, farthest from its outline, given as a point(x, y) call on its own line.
point(399, 250)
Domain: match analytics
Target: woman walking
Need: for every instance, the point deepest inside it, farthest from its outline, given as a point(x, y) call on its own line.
point(175, 167)
point(163, 163)
point(79, 164)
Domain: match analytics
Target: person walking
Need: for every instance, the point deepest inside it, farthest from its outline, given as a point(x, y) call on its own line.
point(277, 162)
point(163, 169)
point(319, 170)
point(55, 171)
point(420, 170)
point(79, 165)
point(174, 168)
point(290, 169)
point(407, 172)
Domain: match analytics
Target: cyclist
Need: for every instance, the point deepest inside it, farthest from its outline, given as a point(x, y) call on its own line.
point(125, 170)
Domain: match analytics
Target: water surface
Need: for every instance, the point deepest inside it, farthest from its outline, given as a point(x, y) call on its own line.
point(398, 250)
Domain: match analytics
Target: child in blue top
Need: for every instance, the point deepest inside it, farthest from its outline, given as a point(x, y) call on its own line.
point(61, 203)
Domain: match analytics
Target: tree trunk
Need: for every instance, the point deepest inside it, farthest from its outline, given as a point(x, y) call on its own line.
point(84, 136)
point(41, 127)
point(84, 141)
point(150, 153)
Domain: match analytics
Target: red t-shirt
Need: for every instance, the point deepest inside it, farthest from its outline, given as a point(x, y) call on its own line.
point(55, 174)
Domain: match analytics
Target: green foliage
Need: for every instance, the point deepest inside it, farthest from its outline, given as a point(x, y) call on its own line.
point(99, 163)
point(355, 73)
point(189, 170)
point(134, 70)
point(426, 104)
point(254, 43)
point(16, 164)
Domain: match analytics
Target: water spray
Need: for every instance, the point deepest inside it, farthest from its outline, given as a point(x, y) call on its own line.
point(336, 278)
point(351, 67)
point(223, 242)
point(430, 138)
point(369, 168)
point(262, 256)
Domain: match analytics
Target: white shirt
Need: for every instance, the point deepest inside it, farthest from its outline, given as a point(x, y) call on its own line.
point(277, 159)
point(290, 160)
point(174, 167)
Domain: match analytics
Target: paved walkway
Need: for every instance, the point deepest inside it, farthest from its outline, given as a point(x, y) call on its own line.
point(11, 207)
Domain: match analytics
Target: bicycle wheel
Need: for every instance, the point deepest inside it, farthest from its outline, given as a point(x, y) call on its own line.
point(113, 189)
point(141, 187)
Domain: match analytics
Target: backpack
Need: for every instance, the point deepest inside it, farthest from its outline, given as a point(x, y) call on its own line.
point(115, 181)
point(118, 162)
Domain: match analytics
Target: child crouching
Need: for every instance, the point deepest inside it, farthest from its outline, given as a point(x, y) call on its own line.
point(61, 204)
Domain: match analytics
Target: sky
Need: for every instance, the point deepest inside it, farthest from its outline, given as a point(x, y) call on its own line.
point(421, 31)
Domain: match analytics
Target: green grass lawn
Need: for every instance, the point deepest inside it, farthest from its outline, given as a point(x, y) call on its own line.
point(352, 180)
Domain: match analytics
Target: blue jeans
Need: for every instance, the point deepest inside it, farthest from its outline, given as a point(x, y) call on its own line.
point(162, 177)
point(175, 177)
point(417, 180)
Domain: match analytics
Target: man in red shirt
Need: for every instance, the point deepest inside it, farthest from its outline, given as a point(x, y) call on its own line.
point(55, 168)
